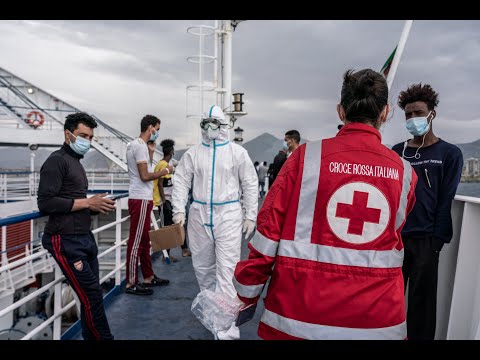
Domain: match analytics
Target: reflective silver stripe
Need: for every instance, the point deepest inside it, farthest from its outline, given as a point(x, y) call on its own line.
point(340, 256)
point(311, 331)
point(264, 245)
point(308, 191)
point(402, 208)
point(248, 291)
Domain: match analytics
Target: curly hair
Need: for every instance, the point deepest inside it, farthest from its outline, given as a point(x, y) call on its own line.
point(72, 121)
point(418, 92)
point(167, 146)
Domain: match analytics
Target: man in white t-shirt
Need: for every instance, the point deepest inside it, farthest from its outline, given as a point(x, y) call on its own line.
point(262, 174)
point(140, 204)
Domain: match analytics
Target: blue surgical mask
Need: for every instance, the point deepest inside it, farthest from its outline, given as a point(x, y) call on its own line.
point(80, 146)
point(154, 137)
point(285, 145)
point(418, 126)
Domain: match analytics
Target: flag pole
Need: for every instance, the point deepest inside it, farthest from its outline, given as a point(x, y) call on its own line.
point(398, 53)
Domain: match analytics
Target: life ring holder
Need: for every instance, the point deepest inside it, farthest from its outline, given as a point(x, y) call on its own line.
point(35, 119)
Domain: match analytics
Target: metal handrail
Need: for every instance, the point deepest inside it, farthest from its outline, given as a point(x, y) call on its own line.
point(23, 260)
point(10, 220)
point(21, 185)
point(472, 199)
point(19, 246)
point(30, 296)
point(59, 277)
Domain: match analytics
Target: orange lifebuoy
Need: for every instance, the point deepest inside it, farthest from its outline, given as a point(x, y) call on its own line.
point(35, 119)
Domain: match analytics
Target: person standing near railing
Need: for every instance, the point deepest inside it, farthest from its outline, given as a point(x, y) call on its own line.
point(438, 165)
point(140, 204)
point(162, 193)
point(62, 194)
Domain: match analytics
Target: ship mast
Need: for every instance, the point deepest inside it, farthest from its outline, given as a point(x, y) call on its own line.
point(214, 74)
point(399, 52)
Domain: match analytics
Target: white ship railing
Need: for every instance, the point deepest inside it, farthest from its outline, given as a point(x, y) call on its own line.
point(41, 257)
point(458, 304)
point(458, 298)
point(15, 186)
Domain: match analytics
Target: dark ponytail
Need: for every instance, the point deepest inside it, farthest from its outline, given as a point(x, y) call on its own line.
point(364, 95)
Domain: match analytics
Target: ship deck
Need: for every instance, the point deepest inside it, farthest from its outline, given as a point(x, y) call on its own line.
point(166, 314)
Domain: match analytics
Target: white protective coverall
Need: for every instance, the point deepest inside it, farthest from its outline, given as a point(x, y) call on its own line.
point(220, 172)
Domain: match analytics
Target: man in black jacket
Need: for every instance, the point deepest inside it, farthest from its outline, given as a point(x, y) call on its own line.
point(62, 194)
point(438, 165)
point(277, 164)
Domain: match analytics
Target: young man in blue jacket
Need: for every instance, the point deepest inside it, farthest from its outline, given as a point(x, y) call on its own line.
point(438, 165)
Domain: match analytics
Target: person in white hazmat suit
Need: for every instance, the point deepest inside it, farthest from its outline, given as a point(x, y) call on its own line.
point(219, 172)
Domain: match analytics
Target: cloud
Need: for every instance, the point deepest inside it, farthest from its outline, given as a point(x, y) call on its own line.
point(290, 71)
point(301, 105)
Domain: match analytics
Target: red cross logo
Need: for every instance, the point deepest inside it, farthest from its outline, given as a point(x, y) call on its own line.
point(358, 213)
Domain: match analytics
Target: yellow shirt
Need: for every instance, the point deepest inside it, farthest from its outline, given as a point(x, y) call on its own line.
point(162, 164)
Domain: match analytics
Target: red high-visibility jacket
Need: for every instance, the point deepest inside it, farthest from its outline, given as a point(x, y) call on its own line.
point(329, 236)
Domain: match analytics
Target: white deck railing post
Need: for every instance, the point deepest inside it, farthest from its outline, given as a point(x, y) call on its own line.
point(5, 189)
point(12, 270)
point(4, 246)
point(118, 240)
point(57, 305)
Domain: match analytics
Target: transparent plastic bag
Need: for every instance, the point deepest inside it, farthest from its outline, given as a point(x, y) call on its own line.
point(216, 311)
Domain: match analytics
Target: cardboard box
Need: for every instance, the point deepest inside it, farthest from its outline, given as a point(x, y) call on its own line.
point(167, 237)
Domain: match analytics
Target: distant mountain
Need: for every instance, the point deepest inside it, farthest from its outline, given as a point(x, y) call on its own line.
point(262, 148)
point(470, 150)
point(266, 146)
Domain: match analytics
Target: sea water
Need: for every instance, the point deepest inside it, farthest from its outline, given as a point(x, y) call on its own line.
point(469, 189)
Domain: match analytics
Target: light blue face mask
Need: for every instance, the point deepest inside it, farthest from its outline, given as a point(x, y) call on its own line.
point(285, 145)
point(418, 126)
point(80, 146)
point(154, 137)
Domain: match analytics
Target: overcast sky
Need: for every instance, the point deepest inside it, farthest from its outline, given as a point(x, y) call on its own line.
point(290, 71)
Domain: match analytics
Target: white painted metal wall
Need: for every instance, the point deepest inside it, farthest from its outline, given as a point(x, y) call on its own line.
point(458, 298)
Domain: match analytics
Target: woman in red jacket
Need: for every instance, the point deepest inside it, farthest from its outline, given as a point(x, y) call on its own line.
point(329, 231)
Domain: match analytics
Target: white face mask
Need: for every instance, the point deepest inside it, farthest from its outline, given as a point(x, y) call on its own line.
point(213, 134)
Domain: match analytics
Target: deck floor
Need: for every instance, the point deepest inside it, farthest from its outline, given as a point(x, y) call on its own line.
point(166, 314)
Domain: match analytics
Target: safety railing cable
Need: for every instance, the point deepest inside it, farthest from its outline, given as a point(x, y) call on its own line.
point(120, 135)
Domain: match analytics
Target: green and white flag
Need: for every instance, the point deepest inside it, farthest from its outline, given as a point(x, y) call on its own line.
point(386, 67)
